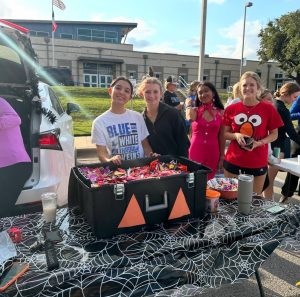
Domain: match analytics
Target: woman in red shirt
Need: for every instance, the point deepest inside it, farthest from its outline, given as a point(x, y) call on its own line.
point(249, 125)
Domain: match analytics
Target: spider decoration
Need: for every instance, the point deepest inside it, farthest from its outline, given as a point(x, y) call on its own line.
point(49, 115)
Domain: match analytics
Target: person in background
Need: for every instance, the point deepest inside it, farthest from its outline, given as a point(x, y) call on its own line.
point(236, 95)
point(291, 181)
point(267, 96)
point(285, 96)
point(192, 94)
point(170, 96)
point(190, 102)
point(249, 125)
point(207, 142)
point(120, 133)
point(165, 125)
point(15, 164)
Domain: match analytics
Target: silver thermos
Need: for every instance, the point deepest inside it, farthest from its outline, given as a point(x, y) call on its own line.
point(245, 192)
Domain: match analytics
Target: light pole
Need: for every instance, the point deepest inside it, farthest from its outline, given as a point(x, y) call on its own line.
point(247, 4)
point(202, 40)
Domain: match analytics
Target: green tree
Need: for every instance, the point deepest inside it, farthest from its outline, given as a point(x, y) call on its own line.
point(280, 42)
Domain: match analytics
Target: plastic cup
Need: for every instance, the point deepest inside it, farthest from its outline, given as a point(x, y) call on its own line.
point(276, 152)
point(49, 202)
point(212, 200)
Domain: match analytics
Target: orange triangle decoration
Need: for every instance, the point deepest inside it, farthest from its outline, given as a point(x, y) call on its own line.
point(133, 215)
point(180, 207)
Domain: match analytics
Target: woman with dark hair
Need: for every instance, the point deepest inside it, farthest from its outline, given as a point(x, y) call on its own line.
point(120, 133)
point(207, 142)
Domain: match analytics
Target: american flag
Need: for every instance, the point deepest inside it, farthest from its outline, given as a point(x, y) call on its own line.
point(59, 4)
point(54, 26)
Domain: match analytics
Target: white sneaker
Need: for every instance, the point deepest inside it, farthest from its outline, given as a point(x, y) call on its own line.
point(273, 160)
point(283, 199)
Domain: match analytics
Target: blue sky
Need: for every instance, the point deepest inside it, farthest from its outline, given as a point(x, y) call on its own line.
point(168, 26)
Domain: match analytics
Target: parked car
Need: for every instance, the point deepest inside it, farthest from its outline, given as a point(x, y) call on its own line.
point(46, 127)
point(57, 76)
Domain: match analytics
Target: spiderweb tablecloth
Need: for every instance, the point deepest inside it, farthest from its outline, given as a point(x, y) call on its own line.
point(175, 259)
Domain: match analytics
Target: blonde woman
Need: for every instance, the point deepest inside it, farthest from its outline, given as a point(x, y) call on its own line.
point(167, 133)
point(285, 96)
point(236, 95)
point(249, 125)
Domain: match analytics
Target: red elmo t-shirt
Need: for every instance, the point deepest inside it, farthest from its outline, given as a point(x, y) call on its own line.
point(256, 122)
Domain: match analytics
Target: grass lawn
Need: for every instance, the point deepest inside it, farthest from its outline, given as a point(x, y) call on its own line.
point(93, 102)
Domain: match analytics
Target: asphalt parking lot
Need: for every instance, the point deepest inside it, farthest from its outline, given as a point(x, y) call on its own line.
point(279, 273)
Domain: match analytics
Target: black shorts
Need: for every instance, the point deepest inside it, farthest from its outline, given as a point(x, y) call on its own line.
point(238, 170)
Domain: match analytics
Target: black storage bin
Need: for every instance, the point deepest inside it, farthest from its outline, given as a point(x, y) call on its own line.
point(105, 207)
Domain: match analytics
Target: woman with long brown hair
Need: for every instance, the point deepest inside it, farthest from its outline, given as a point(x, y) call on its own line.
point(207, 142)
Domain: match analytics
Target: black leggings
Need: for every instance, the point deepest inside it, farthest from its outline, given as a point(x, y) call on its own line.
point(12, 180)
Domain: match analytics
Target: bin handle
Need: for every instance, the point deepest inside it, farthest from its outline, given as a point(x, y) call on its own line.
point(157, 206)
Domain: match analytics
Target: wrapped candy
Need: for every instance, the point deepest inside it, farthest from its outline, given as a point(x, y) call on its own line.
point(99, 176)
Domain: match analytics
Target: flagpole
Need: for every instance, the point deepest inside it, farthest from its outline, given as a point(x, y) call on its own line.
point(52, 35)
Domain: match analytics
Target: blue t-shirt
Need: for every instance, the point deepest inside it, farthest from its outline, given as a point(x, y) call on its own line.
point(295, 111)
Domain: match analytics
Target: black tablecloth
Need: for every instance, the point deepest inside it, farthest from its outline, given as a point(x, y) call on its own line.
point(176, 258)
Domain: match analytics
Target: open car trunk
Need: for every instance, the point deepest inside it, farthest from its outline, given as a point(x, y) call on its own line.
point(18, 85)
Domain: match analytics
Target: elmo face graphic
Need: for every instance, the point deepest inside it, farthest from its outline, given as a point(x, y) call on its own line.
point(247, 126)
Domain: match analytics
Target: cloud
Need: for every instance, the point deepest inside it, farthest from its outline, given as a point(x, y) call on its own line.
point(14, 9)
point(234, 33)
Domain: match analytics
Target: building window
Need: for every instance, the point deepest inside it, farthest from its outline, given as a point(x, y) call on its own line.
point(66, 36)
point(225, 81)
point(132, 74)
point(39, 33)
point(206, 74)
point(90, 68)
point(278, 85)
point(97, 35)
point(278, 75)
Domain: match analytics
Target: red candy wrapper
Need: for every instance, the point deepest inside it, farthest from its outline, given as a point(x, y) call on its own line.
point(15, 234)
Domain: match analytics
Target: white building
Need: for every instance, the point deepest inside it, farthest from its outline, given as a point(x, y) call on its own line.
point(95, 53)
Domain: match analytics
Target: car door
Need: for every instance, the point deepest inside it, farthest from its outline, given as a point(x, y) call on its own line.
point(62, 160)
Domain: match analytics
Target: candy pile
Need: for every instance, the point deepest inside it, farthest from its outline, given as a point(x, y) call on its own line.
point(223, 184)
point(101, 176)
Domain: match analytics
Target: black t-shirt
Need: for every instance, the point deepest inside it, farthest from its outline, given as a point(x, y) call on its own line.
point(171, 99)
point(287, 129)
